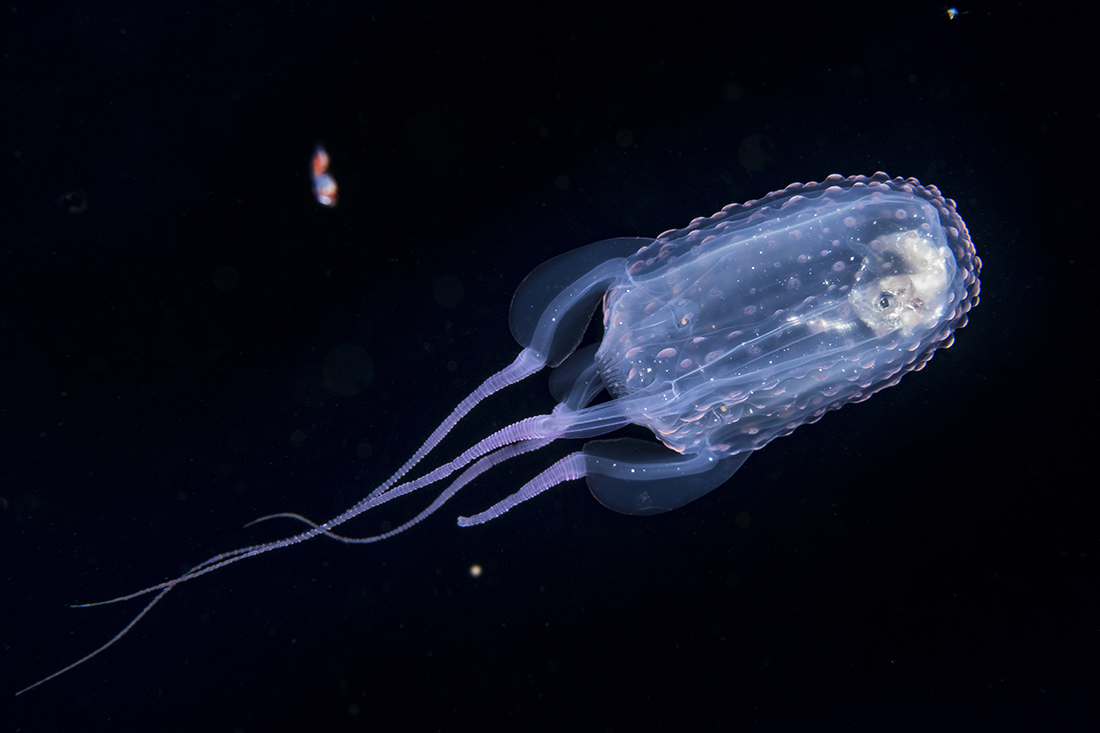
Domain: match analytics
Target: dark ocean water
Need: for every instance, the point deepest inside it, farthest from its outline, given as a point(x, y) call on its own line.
point(174, 308)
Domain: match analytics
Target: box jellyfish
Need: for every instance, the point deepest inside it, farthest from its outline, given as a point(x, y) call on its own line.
point(719, 338)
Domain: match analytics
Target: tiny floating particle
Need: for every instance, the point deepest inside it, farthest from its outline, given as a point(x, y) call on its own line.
point(324, 185)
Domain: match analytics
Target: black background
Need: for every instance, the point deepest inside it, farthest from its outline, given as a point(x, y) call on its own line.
point(926, 560)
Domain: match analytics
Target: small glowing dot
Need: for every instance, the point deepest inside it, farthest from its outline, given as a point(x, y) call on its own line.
point(475, 571)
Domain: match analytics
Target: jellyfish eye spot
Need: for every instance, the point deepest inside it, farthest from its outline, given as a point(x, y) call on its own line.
point(886, 302)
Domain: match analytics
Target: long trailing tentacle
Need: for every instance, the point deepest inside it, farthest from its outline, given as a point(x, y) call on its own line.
point(471, 473)
point(490, 451)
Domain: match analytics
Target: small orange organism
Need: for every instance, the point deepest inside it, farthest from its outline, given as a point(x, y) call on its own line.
point(324, 185)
